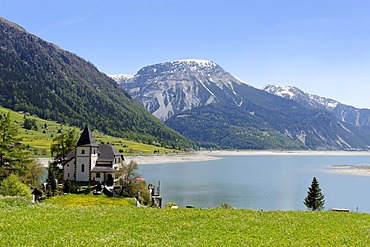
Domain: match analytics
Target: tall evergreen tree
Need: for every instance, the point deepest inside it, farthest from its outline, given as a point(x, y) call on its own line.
point(52, 184)
point(14, 157)
point(8, 132)
point(315, 199)
point(62, 145)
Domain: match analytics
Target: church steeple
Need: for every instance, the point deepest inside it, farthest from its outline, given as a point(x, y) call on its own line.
point(86, 138)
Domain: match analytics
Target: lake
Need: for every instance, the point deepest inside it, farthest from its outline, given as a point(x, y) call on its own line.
point(261, 182)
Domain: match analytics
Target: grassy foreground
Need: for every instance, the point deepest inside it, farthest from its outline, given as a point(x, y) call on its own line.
point(87, 200)
point(25, 224)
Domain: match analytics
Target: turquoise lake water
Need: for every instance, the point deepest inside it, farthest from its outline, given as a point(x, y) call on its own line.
point(261, 182)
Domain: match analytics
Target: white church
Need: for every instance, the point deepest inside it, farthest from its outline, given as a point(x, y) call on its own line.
point(90, 162)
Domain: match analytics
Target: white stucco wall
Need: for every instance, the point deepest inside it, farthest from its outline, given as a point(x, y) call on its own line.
point(94, 156)
point(69, 169)
point(117, 162)
point(82, 176)
point(101, 179)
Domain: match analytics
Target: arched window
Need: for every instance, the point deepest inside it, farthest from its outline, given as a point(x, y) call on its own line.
point(82, 168)
point(98, 175)
point(82, 151)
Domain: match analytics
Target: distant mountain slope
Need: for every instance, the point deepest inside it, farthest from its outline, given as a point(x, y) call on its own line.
point(41, 78)
point(169, 88)
point(209, 105)
point(349, 114)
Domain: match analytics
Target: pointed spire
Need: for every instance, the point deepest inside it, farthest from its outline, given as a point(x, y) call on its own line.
point(86, 138)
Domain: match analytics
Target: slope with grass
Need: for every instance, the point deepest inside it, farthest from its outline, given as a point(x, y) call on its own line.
point(39, 141)
point(25, 224)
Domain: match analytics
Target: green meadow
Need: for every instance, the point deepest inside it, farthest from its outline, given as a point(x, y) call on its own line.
point(48, 224)
point(40, 140)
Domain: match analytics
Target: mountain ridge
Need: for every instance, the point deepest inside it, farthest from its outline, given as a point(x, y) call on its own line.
point(214, 108)
point(40, 78)
point(346, 113)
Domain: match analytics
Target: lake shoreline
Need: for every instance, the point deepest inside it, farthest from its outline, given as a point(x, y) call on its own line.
point(214, 155)
point(358, 170)
point(200, 156)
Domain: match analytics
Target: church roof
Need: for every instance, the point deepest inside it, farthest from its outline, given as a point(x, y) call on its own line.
point(102, 169)
point(107, 153)
point(86, 138)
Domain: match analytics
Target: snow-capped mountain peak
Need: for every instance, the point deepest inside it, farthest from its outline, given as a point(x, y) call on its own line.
point(294, 93)
point(119, 78)
point(349, 114)
point(199, 62)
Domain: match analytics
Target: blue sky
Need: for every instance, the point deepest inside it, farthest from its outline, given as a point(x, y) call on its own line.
point(322, 47)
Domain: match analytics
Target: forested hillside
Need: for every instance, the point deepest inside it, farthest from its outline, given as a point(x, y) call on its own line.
point(40, 78)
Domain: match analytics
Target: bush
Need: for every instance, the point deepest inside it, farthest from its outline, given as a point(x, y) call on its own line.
point(88, 189)
point(70, 187)
point(170, 204)
point(225, 205)
point(12, 186)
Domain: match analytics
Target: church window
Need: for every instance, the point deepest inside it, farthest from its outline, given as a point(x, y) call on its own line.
point(68, 174)
point(83, 168)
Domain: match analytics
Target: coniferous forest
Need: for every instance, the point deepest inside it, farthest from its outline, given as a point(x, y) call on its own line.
point(42, 79)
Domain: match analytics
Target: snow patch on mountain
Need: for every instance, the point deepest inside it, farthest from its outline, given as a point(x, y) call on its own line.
point(119, 78)
point(294, 93)
point(344, 127)
point(200, 62)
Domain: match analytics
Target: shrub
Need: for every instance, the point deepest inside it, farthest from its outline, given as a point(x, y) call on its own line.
point(12, 186)
point(225, 205)
point(170, 204)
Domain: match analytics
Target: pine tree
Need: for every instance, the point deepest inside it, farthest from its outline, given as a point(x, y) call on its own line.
point(315, 199)
point(13, 157)
point(62, 145)
point(52, 184)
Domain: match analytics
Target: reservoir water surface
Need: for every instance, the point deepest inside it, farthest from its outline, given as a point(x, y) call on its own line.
point(261, 182)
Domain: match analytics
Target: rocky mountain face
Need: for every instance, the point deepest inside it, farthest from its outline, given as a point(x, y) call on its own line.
point(210, 106)
point(42, 79)
point(167, 89)
point(348, 114)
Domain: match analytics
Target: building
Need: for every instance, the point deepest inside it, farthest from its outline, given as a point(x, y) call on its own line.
point(90, 162)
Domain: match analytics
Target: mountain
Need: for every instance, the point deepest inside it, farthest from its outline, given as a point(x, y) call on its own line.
point(348, 114)
point(121, 78)
point(41, 78)
point(210, 106)
point(167, 89)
